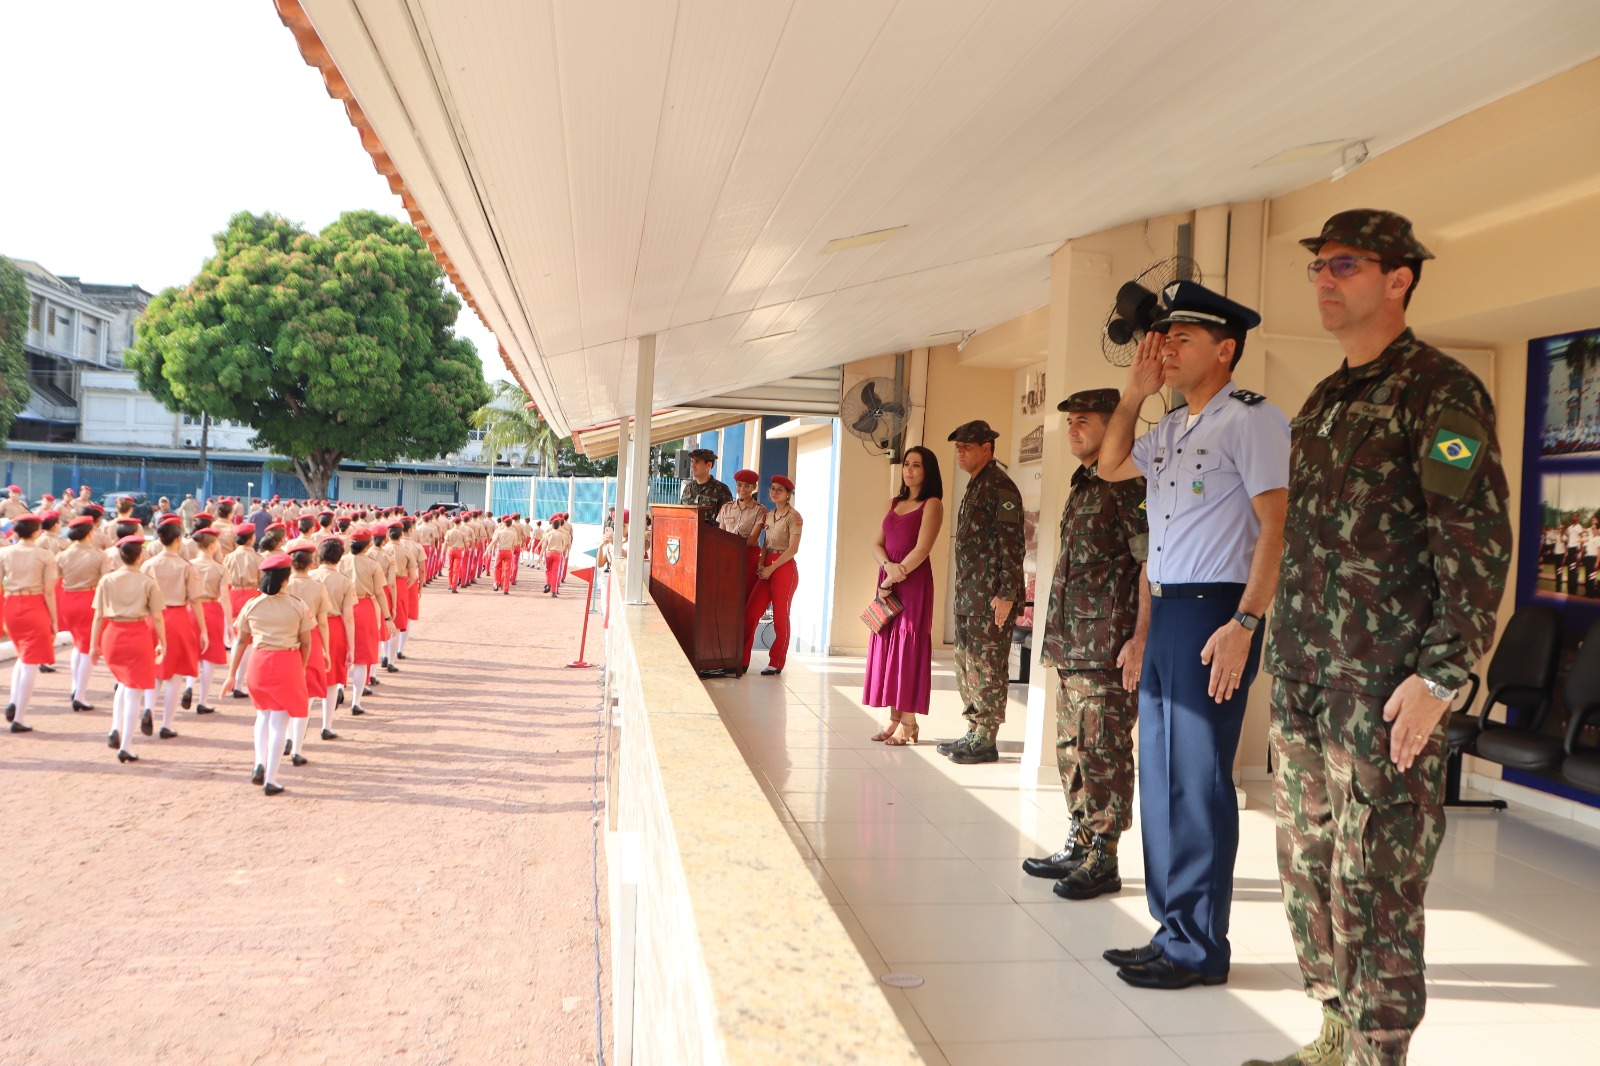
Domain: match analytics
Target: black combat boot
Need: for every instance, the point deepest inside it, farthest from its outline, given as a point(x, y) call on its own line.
point(978, 748)
point(1096, 875)
point(1063, 862)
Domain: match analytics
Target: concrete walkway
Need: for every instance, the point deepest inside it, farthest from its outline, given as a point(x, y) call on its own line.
point(422, 892)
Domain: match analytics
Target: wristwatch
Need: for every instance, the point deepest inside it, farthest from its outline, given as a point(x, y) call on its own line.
point(1249, 621)
point(1439, 692)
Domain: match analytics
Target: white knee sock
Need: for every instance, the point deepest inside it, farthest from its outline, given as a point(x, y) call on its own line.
point(170, 707)
point(23, 675)
point(261, 738)
point(329, 702)
point(400, 641)
point(297, 731)
point(150, 697)
point(207, 675)
point(131, 699)
point(277, 726)
point(81, 667)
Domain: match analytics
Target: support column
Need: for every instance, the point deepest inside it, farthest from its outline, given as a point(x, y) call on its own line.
point(639, 463)
point(621, 491)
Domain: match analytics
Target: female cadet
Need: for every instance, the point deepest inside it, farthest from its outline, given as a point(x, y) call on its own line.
point(406, 583)
point(745, 516)
point(279, 627)
point(242, 568)
point(129, 628)
point(556, 543)
point(217, 611)
point(302, 554)
point(341, 626)
point(777, 578)
point(366, 574)
point(28, 577)
point(82, 565)
point(179, 582)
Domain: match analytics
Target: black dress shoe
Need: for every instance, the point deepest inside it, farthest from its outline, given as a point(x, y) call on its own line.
point(46, 668)
point(11, 712)
point(127, 756)
point(259, 776)
point(188, 699)
point(168, 734)
point(239, 695)
point(453, 591)
point(79, 705)
point(203, 709)
point(114, 739)
point(391, 667)
point(328, 734)
point(288, 747)
point(340, 701)
point(18, 727)
point(1139, 956)
point(1056, 866)
point(546, 588)
point(272, 790)
point(1166, 975)
point(356, 709)
point(771, 672)
point(371, 681)
point(399, 655)
point(147, 724)
point(299, 760)
point(367, 691)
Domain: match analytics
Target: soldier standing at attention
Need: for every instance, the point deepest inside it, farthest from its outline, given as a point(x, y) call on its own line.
point(1094, 634)
point(702, 490)
point(1396, 467)
point(988, 548)
point(1217, 469)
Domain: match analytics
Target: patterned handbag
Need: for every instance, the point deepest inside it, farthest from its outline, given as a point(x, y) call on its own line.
point(885, 608)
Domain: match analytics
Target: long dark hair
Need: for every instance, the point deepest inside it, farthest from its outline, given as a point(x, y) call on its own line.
point(932, 482)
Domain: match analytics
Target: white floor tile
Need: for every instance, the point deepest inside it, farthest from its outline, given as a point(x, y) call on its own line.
point(878, 840)
point(972, 1003)
point(1132, 1051)
point(907, 934)
point(850, 806)
point(897, 881)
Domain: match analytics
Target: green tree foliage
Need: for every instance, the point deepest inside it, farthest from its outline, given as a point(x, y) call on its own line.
point(14, 388)
point(331, 345)
point(511, 426)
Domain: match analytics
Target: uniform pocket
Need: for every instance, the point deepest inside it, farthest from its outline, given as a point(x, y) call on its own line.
point(1385, 837)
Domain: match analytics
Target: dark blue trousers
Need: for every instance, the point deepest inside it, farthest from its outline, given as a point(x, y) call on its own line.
point(1189, 814)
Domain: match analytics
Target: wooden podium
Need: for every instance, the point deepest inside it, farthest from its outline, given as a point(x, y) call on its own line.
point(697, 582)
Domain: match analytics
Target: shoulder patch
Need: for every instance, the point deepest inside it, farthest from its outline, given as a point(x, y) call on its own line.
point(1454, 454)
point(1246, 397)
point(1010, 509)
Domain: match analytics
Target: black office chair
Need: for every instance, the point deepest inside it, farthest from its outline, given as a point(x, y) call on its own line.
point(1581, 767)
point(1523, 746)
point(1522, 674)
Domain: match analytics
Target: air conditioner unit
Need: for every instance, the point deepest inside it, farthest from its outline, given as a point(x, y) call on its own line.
point(191, 442)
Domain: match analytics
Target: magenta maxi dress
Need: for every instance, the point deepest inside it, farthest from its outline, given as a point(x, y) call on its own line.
point(900, 659)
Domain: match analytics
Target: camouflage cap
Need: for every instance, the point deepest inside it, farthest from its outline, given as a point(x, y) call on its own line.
point(975, 432)
point(1383, 232)
point(1091, 401)
point(703, 455)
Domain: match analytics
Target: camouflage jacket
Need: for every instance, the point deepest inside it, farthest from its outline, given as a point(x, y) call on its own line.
point(1094, 598)
point(1398, 536)
point(988, 543)
point(708, 497)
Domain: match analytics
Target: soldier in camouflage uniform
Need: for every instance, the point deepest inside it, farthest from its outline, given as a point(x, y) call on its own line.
point(1094, 635)
point(988, 549)
point(702, 490)
point(1397, 545)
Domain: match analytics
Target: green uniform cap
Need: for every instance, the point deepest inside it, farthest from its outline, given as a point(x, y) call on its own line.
point(1383, 233)
point(1091, 401)
point(975, 432)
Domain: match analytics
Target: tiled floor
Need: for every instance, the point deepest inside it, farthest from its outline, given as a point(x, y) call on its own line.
point(920, 858)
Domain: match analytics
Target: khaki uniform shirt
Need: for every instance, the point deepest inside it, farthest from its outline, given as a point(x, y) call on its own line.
point(506, 538)
point(177, 577)
point(226, 536)
point(243, 568)
point(27, 569)
point(366, 574)
point(558, 540)
point(781, 528)
point(314, 596)
point(212, 577)
point(275, 623)
point(742, 520)
point(126, 595)
point(82, 566)
point(10, 508)
point(457, 537)
point(340, 589)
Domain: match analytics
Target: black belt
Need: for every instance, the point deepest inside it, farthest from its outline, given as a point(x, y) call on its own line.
point(1196, 591)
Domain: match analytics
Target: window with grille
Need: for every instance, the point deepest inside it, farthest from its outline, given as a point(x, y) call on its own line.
point(439, 487)
point(52, 329)
point(372, 484)
point(33, 319)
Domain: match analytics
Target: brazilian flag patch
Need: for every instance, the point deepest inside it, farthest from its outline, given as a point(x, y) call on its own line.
point(1010, 510)
point(1454, 449)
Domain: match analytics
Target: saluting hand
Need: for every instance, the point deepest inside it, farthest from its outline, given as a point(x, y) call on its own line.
point(1413, 714)
point(1144, 373)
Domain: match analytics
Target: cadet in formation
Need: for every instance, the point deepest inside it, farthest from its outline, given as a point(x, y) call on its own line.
point(1395, 467)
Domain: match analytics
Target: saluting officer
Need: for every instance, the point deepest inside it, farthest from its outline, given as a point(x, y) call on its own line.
point(1094, 634)
point(988, 549)
point(702, 490)
point(1396, 551)
point(1217, 469)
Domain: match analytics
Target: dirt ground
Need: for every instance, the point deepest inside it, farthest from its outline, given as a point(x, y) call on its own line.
point(422, 892)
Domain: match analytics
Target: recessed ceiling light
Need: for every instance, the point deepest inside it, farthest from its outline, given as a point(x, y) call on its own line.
point(1304, 152)
point(860, 240)
point(771, 337)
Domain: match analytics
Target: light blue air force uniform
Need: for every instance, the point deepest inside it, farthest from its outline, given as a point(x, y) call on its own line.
point(1200, 479)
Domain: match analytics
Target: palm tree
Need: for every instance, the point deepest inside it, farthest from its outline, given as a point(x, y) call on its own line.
point(510, 424)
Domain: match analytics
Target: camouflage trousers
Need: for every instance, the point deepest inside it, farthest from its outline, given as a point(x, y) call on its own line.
point(983, 671)
point(1357, 840)
point(1095, 717)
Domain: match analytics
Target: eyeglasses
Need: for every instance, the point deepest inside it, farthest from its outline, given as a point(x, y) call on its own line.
point(1340, 266)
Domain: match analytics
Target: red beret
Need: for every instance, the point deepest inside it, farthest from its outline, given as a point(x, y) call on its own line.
point(244, 529)
point(275, 561)
point(80, 521)
point(49, 497)
point(361, 533)
point(779, 479)
point(204, 516)
point(27, 516)
point(299, 544)
point(170, 520)
point(132, 538)
point(45, 516)
point(276, 525)
point(749, 477)
point(13, 488)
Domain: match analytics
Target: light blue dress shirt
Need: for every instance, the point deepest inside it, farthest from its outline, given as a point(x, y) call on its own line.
point(1199, 483)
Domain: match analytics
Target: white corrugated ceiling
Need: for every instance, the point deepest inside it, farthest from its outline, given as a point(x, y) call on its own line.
point(605, 169)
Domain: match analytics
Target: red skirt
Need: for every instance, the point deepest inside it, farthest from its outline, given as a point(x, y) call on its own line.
point(338, 649)
point(402, 604)
point(383, 623)
point(316, 672)
point(278, 681)
point(216, 648)
point(183, 645)
point(239, 597)
point(414, 608)
point(130, 651)
point(366, 649)
point(28, 625)
point(76, 610)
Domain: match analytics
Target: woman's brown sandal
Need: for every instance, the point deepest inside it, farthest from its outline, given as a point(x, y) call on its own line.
point(909, 738)
point(886, 732)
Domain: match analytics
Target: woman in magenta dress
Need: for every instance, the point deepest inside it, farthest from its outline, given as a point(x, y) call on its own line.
point(900, 659)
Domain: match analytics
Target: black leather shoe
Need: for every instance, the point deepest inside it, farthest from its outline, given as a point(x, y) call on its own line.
point(239, 695)
point(947, 746)
point(79, 705)
point(340, 701)
point(1165, 975)
point(203, 709)
point(127, 756)
point(372, 682)
point(272, 790)
point(367, 691)
point(259, 776)
point(18, 727)
point(1140, 956)
point(11, 712)
point(546, 588)
point(147, 724)
point(168, 734)
point(188, 699)
point(391, 667)
point(357, 709)
point(288, 747)
point(299, 760)
point(976, 751)
point(114, 739)
point(453, 591)
point(770, 672)
point(46, 668)
point(399, 655)
point(328, 734)
point(1056, 866)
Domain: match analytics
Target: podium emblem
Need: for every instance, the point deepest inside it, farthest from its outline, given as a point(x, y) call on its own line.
point(674, 550)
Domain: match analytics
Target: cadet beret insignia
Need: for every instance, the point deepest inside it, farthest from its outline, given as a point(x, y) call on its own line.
point(1454, 449)
point(1246, 397)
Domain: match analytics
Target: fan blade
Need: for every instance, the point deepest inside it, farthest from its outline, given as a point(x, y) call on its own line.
point(869, 395)
point(894, 409)
point(866, 423)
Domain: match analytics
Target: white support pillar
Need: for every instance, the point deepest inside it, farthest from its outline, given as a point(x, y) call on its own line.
point(639, 464)
point(622, 501)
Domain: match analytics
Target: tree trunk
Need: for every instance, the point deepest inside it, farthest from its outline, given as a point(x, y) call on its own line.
point(316, 470)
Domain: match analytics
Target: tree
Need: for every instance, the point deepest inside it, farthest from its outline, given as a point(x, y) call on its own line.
point(14, 388)
point(333, 345)
point(510, 425)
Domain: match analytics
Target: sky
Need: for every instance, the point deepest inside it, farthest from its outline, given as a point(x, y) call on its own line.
point(131, 132)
